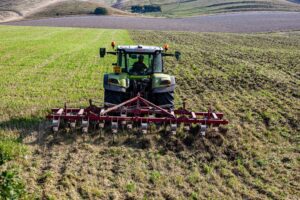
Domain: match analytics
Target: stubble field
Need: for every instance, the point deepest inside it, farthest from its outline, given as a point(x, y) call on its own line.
point(252, 78)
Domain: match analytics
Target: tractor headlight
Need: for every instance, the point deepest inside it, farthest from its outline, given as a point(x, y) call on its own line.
point(165, 82)
point(113, 81)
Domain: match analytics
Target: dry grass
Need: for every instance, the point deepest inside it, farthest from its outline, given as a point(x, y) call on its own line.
point(20, 9)
point(175, 8)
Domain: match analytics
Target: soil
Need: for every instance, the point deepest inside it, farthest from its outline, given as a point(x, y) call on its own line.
point(244, 22)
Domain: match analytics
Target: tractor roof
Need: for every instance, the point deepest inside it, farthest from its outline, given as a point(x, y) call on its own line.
point(140, 48)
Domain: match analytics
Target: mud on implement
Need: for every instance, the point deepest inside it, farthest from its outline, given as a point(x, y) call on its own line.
point(137, 94)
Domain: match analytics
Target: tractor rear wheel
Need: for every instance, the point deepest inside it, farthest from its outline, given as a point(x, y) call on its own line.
point(113, 97)
point(165, 99)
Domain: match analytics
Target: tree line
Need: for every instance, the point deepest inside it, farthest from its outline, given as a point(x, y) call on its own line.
point(145, 8)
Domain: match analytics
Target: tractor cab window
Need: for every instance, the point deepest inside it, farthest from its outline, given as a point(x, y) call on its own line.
point(140, 63)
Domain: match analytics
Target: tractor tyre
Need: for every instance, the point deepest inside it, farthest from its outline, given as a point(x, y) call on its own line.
point(113, 97)
point(165, 99)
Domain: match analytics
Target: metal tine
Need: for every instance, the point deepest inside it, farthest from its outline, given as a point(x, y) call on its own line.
point(203, 129)
point(173, 128)
point(130, 126)
point(73, 125)
point(101, 124)
point(187, 127)
point(85, 126)
point(123, 122)
point(144, 127)
point(55, 125)
point(114, 127)
point(56, 122)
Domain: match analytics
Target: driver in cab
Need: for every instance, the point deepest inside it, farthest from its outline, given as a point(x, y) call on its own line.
point(139, 67)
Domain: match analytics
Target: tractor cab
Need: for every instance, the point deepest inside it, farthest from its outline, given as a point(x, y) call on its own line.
point(140, 60)
point(139, 70)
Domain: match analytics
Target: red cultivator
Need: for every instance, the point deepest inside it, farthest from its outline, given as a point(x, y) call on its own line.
point(136, 111)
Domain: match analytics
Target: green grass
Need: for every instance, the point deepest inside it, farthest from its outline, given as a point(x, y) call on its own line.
point(252, 78)
point(40, 71)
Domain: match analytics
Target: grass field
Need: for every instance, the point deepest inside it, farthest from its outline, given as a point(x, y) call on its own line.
point(252, 78)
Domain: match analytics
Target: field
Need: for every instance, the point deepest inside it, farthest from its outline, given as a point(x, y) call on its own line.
point(252, 78)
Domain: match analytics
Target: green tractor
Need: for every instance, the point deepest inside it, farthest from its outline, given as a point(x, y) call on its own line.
point(137, 93)
point(139, 70)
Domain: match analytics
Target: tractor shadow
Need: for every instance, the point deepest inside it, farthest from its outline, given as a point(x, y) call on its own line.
point(37, 131)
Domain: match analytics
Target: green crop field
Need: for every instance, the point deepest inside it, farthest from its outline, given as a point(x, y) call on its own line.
point(36, 64)
point(252, 78)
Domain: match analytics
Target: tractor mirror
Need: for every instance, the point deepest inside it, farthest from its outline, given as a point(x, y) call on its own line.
point(102, 52)
point(177, 55)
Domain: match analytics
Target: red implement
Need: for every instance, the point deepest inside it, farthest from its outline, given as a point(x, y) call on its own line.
point(134, 111)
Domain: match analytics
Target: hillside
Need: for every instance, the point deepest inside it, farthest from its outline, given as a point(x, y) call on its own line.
point(20, 9)
point(252, 78)
point(176, 8)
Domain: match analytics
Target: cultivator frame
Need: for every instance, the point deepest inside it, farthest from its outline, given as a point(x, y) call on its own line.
point(133, 112)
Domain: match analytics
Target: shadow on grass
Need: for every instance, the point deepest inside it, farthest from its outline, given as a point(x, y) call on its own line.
point(37, 131)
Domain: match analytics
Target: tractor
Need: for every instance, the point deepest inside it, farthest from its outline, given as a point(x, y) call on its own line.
point(139, 70)
point(136, 94)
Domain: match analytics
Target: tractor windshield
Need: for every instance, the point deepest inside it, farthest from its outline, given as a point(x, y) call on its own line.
point(141, 63)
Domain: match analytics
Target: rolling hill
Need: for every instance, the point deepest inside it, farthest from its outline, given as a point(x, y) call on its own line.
point(252, 78)
point(180, 8)
point(20, 9)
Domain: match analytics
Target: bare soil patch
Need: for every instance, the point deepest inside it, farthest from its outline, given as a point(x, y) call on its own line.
point(235, 22)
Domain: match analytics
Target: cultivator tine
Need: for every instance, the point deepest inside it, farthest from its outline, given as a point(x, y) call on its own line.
point(55, 125)
point(144, 128)
point(85, 126)
point(56, 122)
point(101, 124)
point(114, 127)
point(123, 122)
point(173, 128)
point(187, 127)
point(73, 125)
point(203, 129)
point(130, 126)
